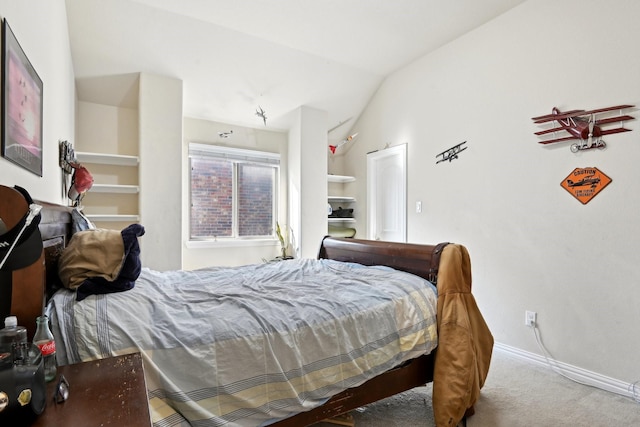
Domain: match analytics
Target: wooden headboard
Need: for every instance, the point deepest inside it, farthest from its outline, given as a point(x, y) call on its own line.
point(55, 228)
point(421, 260)
point(34, 284)
point(56, 220)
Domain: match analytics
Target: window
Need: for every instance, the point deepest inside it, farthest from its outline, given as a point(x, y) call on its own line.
point(234, 193)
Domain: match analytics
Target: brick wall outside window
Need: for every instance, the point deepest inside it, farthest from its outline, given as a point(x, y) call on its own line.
point(255, 200)
point(212, 204)
point(211, 198)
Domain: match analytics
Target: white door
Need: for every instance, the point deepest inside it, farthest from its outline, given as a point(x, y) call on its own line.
point(387, 194)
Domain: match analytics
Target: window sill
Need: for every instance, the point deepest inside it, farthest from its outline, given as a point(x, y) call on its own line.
point(225, 243)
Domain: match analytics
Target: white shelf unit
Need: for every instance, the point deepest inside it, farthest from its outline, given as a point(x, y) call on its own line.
point(117, 160)
point(340, 220)
point(106, 159)
point(340, 178)
point(115, 188)
point(340, 201)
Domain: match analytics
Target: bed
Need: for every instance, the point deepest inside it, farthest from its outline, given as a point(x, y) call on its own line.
point(437, 336)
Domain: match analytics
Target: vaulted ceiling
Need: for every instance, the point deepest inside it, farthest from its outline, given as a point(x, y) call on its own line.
point(235, 56)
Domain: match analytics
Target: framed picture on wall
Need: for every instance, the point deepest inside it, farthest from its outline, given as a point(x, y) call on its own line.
point(21, 106)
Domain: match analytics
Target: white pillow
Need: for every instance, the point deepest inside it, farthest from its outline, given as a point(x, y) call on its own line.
point(79, 222)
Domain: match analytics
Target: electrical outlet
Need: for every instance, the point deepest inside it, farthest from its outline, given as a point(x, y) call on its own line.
point(418, 207)
point(530, 318)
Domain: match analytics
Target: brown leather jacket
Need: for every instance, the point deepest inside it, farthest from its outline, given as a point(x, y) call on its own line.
point(465, 343)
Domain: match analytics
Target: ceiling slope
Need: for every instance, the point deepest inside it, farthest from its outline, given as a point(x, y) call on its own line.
point(235, 56)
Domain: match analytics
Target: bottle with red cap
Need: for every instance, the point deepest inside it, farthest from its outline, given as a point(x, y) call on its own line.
point(43, 338)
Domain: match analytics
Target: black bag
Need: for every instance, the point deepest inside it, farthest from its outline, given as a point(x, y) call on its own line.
point(341, 213)
point(22, 385)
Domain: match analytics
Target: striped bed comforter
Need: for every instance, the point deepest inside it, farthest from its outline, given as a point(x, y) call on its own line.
point(248, 346)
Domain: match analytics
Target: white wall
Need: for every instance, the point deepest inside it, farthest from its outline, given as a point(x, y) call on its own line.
point(532, 245)
point(308, 185)
point(41, 29)
point(160, 127)
point(204, 131)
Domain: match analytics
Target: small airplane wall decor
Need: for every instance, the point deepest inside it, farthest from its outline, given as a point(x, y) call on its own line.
point(451, 153)
point(350, 138)
point(583, 125)
point(225, 134)
point(260, 113)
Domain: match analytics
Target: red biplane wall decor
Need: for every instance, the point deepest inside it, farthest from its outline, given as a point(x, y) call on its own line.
point(584, 125)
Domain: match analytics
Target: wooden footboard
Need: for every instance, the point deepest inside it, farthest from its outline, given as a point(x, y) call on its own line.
point(415, 373)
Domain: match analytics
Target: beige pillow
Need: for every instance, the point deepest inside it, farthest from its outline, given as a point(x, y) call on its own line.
point(91, 253)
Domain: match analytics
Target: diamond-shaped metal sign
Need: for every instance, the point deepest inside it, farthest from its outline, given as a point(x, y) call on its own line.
point(585, 183)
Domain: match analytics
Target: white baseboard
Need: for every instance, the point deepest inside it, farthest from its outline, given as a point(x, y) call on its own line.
point(578, 374)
